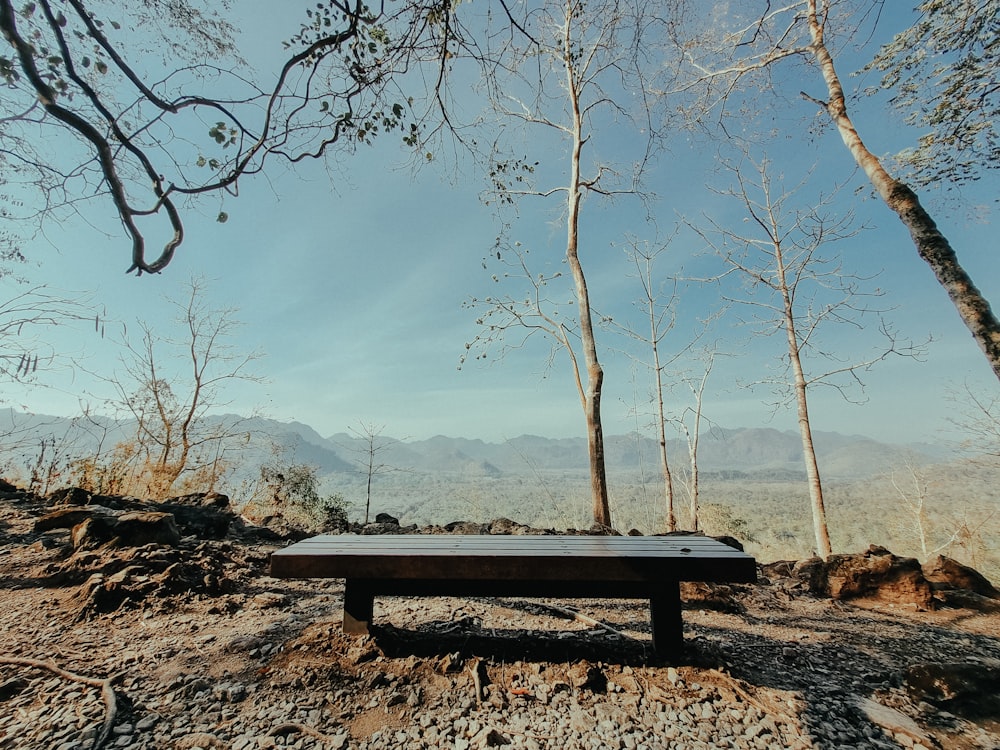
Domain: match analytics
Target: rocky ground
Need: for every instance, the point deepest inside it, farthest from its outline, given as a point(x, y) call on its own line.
point(122, 625)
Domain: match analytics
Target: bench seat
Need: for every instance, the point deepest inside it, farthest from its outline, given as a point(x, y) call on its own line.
point(545, 566)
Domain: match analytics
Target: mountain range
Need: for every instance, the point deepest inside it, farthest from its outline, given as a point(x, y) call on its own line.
point(749, 451)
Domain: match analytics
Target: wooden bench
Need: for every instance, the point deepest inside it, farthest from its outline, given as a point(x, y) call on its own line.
point(568, 567)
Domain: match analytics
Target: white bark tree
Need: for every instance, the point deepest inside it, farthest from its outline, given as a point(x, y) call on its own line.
point(568, 81)
point(752, 43)
point(792, 288)
point(689, 422)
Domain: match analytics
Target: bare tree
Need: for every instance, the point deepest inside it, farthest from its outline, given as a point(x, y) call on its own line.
point(25, 315)
point(977, 415)
point(750, 47)
point(373, 445)
point(794, 289)
point(174, 436)
point(657, 308)
point(689, 422)
point(568, 80)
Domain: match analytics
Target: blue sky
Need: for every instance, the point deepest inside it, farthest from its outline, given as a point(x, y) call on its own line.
point(350, 283)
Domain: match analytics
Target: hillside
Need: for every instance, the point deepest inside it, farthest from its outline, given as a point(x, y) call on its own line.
point(185, 642)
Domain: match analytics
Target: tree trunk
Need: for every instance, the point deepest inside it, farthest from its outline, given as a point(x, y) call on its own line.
point(820, 526)
point(595, 374)
point(931, 245)
point(668, 479)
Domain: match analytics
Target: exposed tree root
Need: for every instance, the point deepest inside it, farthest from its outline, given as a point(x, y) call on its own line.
point(107, 692)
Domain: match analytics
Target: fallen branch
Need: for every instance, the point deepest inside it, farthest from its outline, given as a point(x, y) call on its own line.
point(107, 692)
point(580, 617)
point(767, 706)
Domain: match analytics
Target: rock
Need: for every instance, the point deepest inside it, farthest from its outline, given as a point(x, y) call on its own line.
point(201, 500)
point(876, 573)
point(970, 689)
point(269, 600)
point(385, 518)
point(489, 737)
point(6, 486)
point(202, 521)
point(70, 496)
point(465, 527)
point(200, 739)
point(64, 518)
point(92, 532)
point(382, 528)
point(588, 677)
point(945, 573)
point(139, 528)
point(962, 599)
point(893, 721)
point(504, 526)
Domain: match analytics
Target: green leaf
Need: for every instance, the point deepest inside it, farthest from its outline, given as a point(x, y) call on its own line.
point(201, 161)
point(102, 67)
point(115, 25)
point(223, 217)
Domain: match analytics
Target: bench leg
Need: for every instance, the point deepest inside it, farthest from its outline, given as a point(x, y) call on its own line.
point(668, 628)
point(359, 602)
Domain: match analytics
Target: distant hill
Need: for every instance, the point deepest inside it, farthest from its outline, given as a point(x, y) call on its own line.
point(756, 452)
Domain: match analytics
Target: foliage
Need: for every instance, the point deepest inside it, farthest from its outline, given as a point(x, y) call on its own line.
point(150, 120)
point(720, 519)
point(943, 72)
point(291, 492)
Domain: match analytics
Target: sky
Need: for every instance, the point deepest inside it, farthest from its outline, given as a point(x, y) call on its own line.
point(350, 283)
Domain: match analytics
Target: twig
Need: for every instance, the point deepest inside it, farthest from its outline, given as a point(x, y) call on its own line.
point(579, 616)
point(107, 692)
point(475, 668)
point(733, 684)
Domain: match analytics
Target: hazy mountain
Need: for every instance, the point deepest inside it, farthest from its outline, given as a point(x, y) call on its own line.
point(757, 452)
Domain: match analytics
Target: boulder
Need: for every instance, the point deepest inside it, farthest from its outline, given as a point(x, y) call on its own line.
point(208, 521)
point(504, 526)
point(64, 518)
point(385, 518)
point(139, 528)
point(946, 574)
point(92, 532)
point(876, 574)
point(201, 500)
point(969, 689)
point(129, 529)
